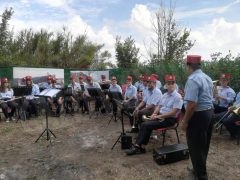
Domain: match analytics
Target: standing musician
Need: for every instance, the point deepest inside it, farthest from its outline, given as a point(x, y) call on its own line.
point(150, 100)
point(158, 83)
point(98, 99)
point(75, 87)
point(6, 93)
point(130, 98)
point(83, 100)
point(114, 87)
point(56, 101)
point(164, 116)
point(197, 120)
point(30, 103)
point(225, 95)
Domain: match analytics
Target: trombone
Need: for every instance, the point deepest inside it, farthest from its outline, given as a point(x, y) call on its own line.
point(236, 110)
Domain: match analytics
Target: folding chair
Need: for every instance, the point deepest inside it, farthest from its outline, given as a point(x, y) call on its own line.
point(163, 131)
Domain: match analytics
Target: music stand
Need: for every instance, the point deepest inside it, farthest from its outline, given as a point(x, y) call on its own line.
point(116, 96)
point(22, 91)
point(105, 86)
point(120, 104)
point(46, 94)
point(95, 93)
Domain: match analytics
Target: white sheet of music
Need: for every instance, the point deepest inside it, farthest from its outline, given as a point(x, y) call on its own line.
point(49, 92)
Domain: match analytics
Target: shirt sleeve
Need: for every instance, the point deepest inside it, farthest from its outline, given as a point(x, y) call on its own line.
point(120, 89)
point(178, 103)
point(191, 91)
point(230, 96)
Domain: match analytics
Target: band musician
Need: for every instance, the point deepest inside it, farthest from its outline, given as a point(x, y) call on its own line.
point(164, 116)
point(130, 98)
point(6, 93)
point(114, 87)
point(99, 99)
point(56, 101)
point(83, 100)
point(72, 100)
point(225, 95)
point(30, 103)
point(150, 101)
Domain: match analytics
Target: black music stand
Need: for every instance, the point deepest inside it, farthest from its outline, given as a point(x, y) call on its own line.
point(96, 93)
point(112, 96)
point(22, 91)
point(123, 132)
point(104, 86)
point(46, 94)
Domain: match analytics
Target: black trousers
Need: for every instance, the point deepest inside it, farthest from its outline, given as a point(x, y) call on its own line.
point(12, 105)
point(229, 123)
point(30, 106)
point(83, 103)
point(147, 128)
point(199, 134)
point(128, 108)
point(219, 109)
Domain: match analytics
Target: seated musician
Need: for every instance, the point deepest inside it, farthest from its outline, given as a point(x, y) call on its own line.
point(158, 83)
point(83, 100)
point(130, 98)
point(104, 80)
point(114, 87)
point(139, 84)
point(144, 89)
point(234, 116)
point(73, 99)
point(6, 93)
point(150, 101)
point(48, 84)
point(30, 103)
point(225, 95)
point(56, 101)
point(168, 109)
point(98, 99)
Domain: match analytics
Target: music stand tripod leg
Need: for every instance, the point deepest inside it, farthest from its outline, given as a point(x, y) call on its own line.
point(118, 140)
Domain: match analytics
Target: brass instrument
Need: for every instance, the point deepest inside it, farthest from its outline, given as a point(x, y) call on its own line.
point(236, 111)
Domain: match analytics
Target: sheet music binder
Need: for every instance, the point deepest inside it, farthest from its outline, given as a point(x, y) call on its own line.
point(49, 93)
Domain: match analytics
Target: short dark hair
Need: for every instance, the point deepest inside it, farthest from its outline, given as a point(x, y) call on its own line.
point(194, 66)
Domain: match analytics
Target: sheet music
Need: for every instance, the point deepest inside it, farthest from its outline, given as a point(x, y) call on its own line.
point(49, 92)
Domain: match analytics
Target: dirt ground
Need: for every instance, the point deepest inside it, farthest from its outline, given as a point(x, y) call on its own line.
point(82, 150)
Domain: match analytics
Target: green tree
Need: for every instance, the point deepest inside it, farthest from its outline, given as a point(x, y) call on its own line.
point(126, 52)
point(170, 42)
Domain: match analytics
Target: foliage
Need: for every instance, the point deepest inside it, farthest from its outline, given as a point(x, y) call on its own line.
point(44, 48)
point(126, 52)
point(170, 42)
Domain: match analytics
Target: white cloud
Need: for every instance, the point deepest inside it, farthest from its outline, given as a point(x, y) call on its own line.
point(217, 36)
point(206, 11)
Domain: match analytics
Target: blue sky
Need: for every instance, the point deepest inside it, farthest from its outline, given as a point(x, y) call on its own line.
point(214, 24)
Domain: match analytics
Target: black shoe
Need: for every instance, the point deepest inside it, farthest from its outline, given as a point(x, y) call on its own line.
point(135, 150)
point(87, 112)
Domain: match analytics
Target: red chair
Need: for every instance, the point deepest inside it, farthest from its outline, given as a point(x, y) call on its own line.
point(163, 131)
